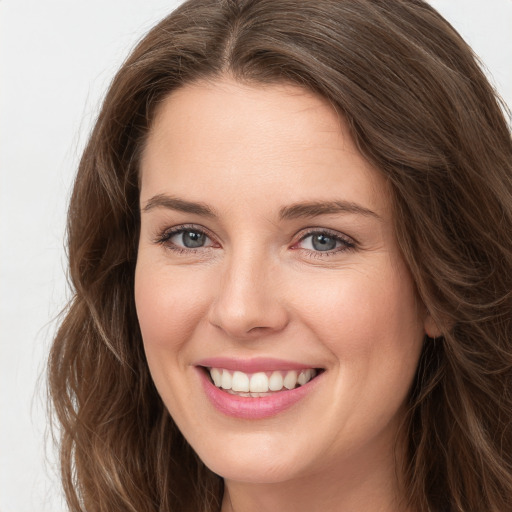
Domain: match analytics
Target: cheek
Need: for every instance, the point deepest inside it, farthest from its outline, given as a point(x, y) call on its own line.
point(170, 305)
point(365, 317)
point(370, 324)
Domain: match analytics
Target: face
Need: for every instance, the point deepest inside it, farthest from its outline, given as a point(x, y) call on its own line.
point(280, 323)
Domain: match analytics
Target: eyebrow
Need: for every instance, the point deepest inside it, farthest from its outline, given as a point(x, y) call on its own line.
point(175, 203)
point(293, 211)
point(317, 208)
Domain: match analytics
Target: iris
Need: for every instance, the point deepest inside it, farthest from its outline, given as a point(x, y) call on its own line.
point(193, 239)
point(321, 242)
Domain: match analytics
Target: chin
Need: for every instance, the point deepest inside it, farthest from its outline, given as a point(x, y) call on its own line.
point(268, 471)
point(258, 461)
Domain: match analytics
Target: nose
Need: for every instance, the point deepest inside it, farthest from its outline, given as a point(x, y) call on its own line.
point(248, 302)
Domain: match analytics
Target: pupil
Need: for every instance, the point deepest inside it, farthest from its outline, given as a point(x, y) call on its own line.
point(323, 243)
point(192, 239)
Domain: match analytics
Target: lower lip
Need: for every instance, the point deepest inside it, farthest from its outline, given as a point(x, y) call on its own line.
point(254, 408)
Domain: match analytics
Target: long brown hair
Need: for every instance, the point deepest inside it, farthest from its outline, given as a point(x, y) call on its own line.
point(421, 111)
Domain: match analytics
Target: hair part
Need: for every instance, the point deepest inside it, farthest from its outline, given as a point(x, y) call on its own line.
point(422, 112)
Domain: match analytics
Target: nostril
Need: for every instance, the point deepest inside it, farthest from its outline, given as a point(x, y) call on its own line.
point(246, 310)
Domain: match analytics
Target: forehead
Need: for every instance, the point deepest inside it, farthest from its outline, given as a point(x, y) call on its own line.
point(251, 139)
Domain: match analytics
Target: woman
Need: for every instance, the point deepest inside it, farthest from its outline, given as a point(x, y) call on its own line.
point(290, 240)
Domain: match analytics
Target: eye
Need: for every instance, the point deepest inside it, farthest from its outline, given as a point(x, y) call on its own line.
point(324, 242)
point(184, 238)
point(189, 239)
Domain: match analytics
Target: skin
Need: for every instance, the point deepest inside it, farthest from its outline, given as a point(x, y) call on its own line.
point(258, 287)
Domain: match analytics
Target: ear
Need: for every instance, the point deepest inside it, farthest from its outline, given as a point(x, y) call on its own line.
point(431, 328)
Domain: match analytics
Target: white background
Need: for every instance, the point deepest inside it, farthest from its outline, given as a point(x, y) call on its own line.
point(56, 60)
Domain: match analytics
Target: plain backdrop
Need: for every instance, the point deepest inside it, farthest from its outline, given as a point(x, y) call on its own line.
point(56, 61)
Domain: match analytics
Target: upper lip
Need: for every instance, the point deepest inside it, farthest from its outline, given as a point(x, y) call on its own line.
point(252, 365)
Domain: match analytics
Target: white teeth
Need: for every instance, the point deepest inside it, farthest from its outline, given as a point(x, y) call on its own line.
point(240, 382)
point(253, 395)
point(226, 380)
point(305, 376)
point(260, 383)
point(290, 381)
point(276, 382)
point(216, 376)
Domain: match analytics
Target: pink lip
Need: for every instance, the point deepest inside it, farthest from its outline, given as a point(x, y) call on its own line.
point(259, 364)
point(257, 407)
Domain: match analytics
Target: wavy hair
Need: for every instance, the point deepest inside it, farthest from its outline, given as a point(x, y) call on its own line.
point(422, 112)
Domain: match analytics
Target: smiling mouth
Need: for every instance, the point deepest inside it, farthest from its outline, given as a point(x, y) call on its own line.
point(260, 384)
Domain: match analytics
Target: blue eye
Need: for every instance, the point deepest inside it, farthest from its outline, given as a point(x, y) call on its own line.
point(185, 238)
point(189, 239)
point(322, 241)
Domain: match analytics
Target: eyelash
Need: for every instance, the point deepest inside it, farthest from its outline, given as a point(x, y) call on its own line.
point(347, 243)
point(164, 237)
